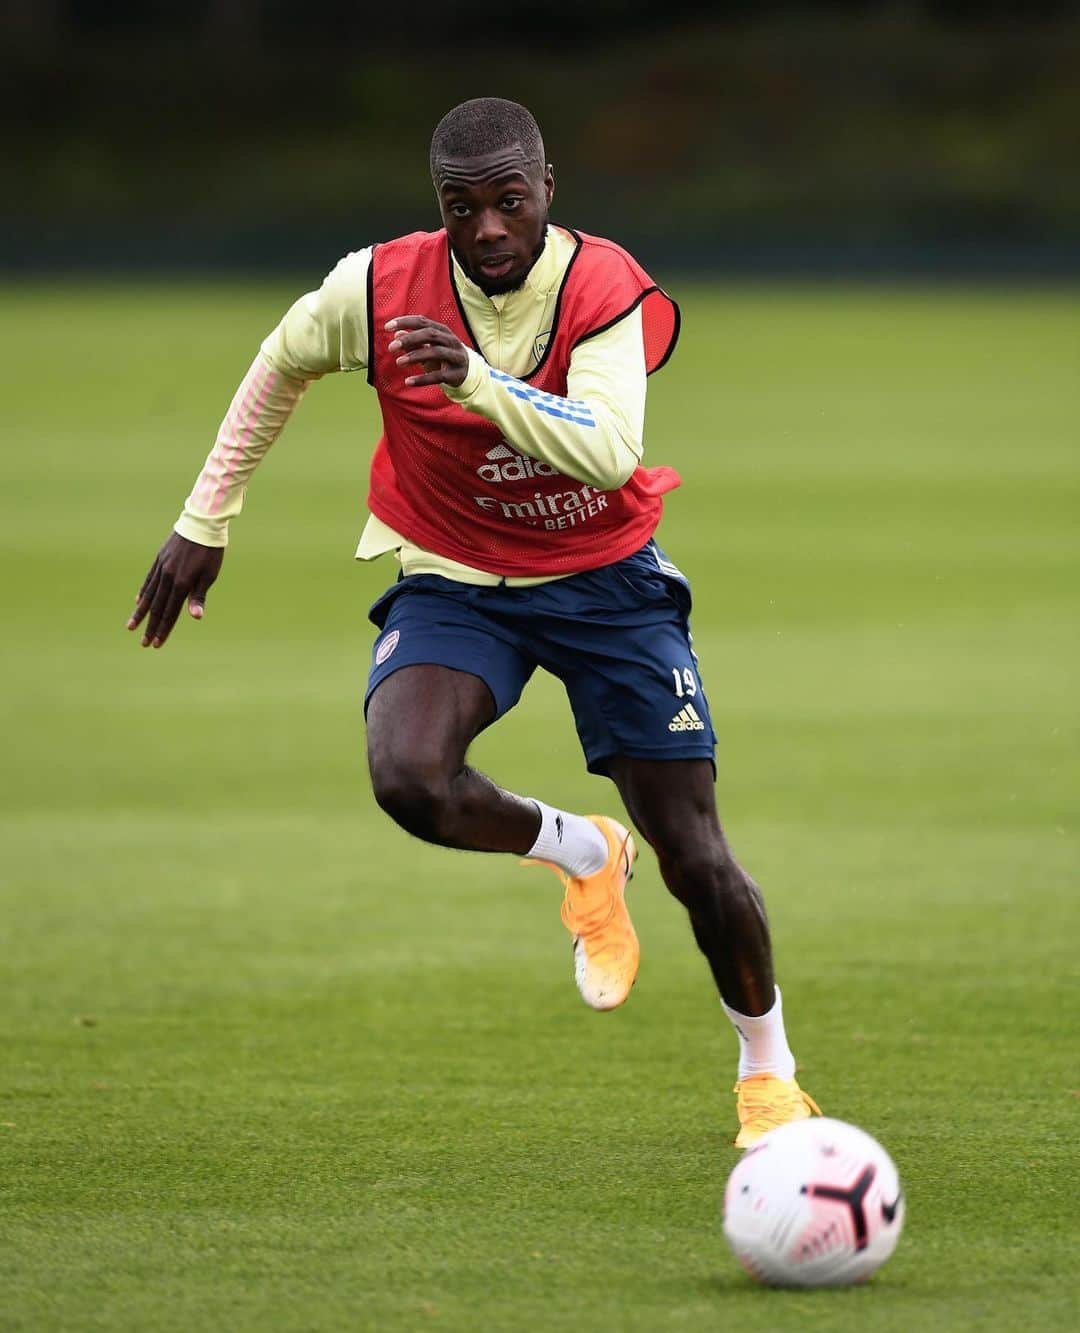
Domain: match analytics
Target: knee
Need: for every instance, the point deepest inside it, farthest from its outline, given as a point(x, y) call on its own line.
point(707, 879)
point(413, 796)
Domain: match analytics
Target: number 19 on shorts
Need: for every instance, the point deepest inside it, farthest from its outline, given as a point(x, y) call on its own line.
point(685, 682)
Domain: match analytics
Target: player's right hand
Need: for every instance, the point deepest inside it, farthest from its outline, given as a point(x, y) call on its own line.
point(182, 570)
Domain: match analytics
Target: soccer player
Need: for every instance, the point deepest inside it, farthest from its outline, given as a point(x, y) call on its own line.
point(510, 358)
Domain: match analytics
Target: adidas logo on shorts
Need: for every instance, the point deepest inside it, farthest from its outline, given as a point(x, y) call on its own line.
point(686, 719)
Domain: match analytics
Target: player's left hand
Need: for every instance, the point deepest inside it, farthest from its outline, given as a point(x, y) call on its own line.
point(441, 354)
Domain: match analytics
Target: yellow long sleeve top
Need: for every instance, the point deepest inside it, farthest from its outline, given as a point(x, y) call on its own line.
point(327, 330)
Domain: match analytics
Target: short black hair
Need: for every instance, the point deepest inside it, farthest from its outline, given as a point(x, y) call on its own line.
point(482, 125)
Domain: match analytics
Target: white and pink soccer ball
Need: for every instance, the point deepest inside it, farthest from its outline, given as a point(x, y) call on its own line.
point(813, 1204)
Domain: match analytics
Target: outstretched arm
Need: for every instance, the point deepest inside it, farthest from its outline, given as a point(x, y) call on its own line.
point(324, 331)
point(258, 413)
point(190, 560)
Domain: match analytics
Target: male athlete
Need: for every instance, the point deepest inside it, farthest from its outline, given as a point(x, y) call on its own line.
point(510, 356)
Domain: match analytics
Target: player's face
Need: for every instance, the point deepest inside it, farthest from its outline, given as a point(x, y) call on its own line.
point(495, 210)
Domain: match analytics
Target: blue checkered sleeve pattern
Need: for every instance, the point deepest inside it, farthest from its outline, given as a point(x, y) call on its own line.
point(565, 409)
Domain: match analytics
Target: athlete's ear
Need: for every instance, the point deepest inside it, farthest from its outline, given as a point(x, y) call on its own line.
point(549, 182)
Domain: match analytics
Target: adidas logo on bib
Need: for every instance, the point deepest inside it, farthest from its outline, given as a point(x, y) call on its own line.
point(686, 719)
point(507, 464)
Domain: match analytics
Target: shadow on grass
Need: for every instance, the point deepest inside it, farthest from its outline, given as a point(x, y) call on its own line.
point(740, 1285)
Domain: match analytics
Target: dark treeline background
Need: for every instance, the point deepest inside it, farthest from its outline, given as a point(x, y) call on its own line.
point(252, 133)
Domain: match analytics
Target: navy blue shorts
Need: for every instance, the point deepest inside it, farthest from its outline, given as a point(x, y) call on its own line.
point(617, 637)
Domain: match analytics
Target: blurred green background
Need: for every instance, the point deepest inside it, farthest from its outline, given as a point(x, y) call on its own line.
point(932, 135)
point(271, 1064)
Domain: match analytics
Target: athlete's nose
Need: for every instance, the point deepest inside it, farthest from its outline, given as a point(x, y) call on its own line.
point(490, 227)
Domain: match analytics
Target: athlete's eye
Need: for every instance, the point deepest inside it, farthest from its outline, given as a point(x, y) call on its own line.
point(458, 210)
point(510, 202)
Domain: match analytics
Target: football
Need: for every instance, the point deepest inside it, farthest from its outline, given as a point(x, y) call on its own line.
point(816, 1203)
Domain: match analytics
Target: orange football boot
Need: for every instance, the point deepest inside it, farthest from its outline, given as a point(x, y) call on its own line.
point(606, 950)
point(766, 1102)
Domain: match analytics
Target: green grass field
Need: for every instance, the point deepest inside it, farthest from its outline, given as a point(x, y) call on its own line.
point(269, 1064)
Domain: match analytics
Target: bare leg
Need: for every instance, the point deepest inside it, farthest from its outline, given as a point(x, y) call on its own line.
point(673, 804)
point(420, 723)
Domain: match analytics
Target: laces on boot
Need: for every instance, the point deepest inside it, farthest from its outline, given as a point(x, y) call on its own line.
point(769, 1099)
point(586, 920)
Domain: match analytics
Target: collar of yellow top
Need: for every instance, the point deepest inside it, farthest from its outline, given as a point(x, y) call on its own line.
point(542, 279)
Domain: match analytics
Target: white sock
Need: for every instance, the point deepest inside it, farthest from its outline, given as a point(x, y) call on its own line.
point(763, 1045)
point(571, 842)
